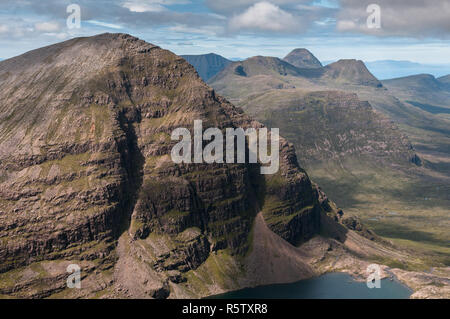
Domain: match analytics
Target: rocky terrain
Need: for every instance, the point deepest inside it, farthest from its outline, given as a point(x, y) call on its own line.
point(86, 178)
point(380, 150)
point(324, 123)
point(85, 142)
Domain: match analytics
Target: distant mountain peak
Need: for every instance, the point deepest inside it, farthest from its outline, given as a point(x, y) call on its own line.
point(259, 65)
point(302, 58)
point(418, 82)
point(351, 71)
point(444, 79)
point(207, 65)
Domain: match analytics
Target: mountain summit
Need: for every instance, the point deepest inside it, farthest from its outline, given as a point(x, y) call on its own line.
point(302, 58)
point(351, 71)
point(207, 65)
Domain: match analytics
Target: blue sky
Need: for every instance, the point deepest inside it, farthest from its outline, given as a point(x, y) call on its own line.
point(414, 30)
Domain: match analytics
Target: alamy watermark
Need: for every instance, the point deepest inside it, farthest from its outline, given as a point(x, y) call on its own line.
point(374, 276)
point(74, 19)
point(74, 279)
point(213, 151)
point(374, 18)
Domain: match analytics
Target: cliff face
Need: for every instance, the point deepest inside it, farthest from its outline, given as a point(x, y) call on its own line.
point(85, 159)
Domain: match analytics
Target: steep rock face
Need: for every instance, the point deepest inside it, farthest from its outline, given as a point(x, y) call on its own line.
point(85, 155)
point(207, 65)
point(302, 58)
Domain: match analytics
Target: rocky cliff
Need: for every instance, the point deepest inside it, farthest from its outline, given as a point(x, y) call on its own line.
point(85, 160)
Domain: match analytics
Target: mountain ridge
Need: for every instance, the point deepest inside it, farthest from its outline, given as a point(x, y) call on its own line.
point(207, 65)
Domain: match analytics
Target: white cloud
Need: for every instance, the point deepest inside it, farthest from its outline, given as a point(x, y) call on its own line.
point(143, 7)
point(58, 35)
point(3, 28)
point(150, 5)
point(47, 26)
point(265, 16)
point(105, 24)
point(206, 30)
point(346, 25)
point(409, 18)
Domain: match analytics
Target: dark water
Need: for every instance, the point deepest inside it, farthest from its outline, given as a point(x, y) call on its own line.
point(328, 286)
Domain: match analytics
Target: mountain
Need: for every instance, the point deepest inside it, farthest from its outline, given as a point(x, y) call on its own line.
point(302, 58)
point(389, 69)
point(86, 178)
point(207, 65)
point(260, 65)
point(336, 126)
point(444, 79)
point(420, 81)
point(352, 72)
point(421, 88)
point(387, 155)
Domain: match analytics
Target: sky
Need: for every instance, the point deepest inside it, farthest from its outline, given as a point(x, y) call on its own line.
point(410, 30)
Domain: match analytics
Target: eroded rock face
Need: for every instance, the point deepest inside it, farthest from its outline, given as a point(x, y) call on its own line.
point(85, 156)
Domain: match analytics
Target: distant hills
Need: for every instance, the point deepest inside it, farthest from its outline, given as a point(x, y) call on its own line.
point(374, 146)
point(207, 65)
point(389, 69)
point(306, 105)
point(422, 88)
point(261, 65)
